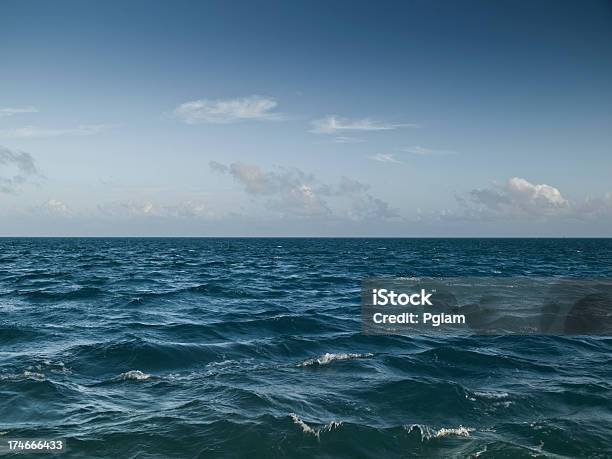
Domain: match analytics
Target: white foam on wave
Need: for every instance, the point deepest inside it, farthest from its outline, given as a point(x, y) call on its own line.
point(33, 375)
point(54, 366)
point(491, 394)
point(454, 431)
point(330, 357)
point(316, 431)
point(135, 375)
point(427, 433)
point(27, 374)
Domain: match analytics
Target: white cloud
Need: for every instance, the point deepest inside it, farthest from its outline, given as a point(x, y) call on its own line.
point(538, 195)
point(54, 207)
point(32, 131)
point(333, 124)
point(57, 206)
point(344, 139)
point(519, 198)
point(293, 192)
point(524, 203)
point(384, 158)
point(15, 168)
point(254, 107)
point(129, 209)
point(17, 111)
point(302, 201)
point(289, 191)
point(422, 151)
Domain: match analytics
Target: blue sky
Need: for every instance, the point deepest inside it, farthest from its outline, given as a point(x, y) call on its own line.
point(416, 118)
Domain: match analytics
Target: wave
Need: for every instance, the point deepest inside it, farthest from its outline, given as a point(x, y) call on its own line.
point(202, 347)
point(491, 395)
point(135, 375)
point(80, 293)
point(14, 333)
point(316, 431)
point(428, 433)
point(329, 358)
point(26, 374)
point(125, 354)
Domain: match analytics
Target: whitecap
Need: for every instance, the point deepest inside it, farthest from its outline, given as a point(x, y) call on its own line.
point(33, 375)
point(136, 375)
point(331, 357)
point(505, 404)
point(427, 433)
point(316, 431)
point(27, 374)
point(491, 394)
point(456, 431)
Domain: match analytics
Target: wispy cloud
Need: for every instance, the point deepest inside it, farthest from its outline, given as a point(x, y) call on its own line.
point(139, 209)
point(334, 124)
point(422, 151)
point(33, 131)
point(15, 168)
point(7, 111)
point(385, 158)
point(53, 207)
point(345, 139)
point(220, 111)
point(57, 207)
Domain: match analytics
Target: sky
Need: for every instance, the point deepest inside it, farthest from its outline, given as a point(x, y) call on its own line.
point(306, 118)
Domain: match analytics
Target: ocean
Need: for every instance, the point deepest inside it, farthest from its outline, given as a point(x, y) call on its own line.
point(215, 347)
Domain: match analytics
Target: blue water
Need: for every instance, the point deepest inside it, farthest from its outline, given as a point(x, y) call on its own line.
point(252, 348)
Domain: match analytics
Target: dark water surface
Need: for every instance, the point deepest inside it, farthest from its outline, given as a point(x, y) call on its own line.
point(252, 348)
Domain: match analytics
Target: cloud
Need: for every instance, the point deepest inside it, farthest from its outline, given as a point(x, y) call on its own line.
point(595, 207)
point(15, 168)
point(218, 167)
point(292, 192)
point(349, 187)
point(422, 151)
point(302, 200)
point(333, 124)
point(225, 111)
point(384, 158)
point(53, 207)
point(344, 139)
point(58, 207)
point(131, 209)
point(518, 198)
point(16, 111)
point(525, 203)
point(538, 195)
point(288, 191)
point(367, 207)
point(363, 206)
point(32, 131)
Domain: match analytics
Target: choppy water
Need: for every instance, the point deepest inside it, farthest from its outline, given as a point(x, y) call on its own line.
point(252, 348)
